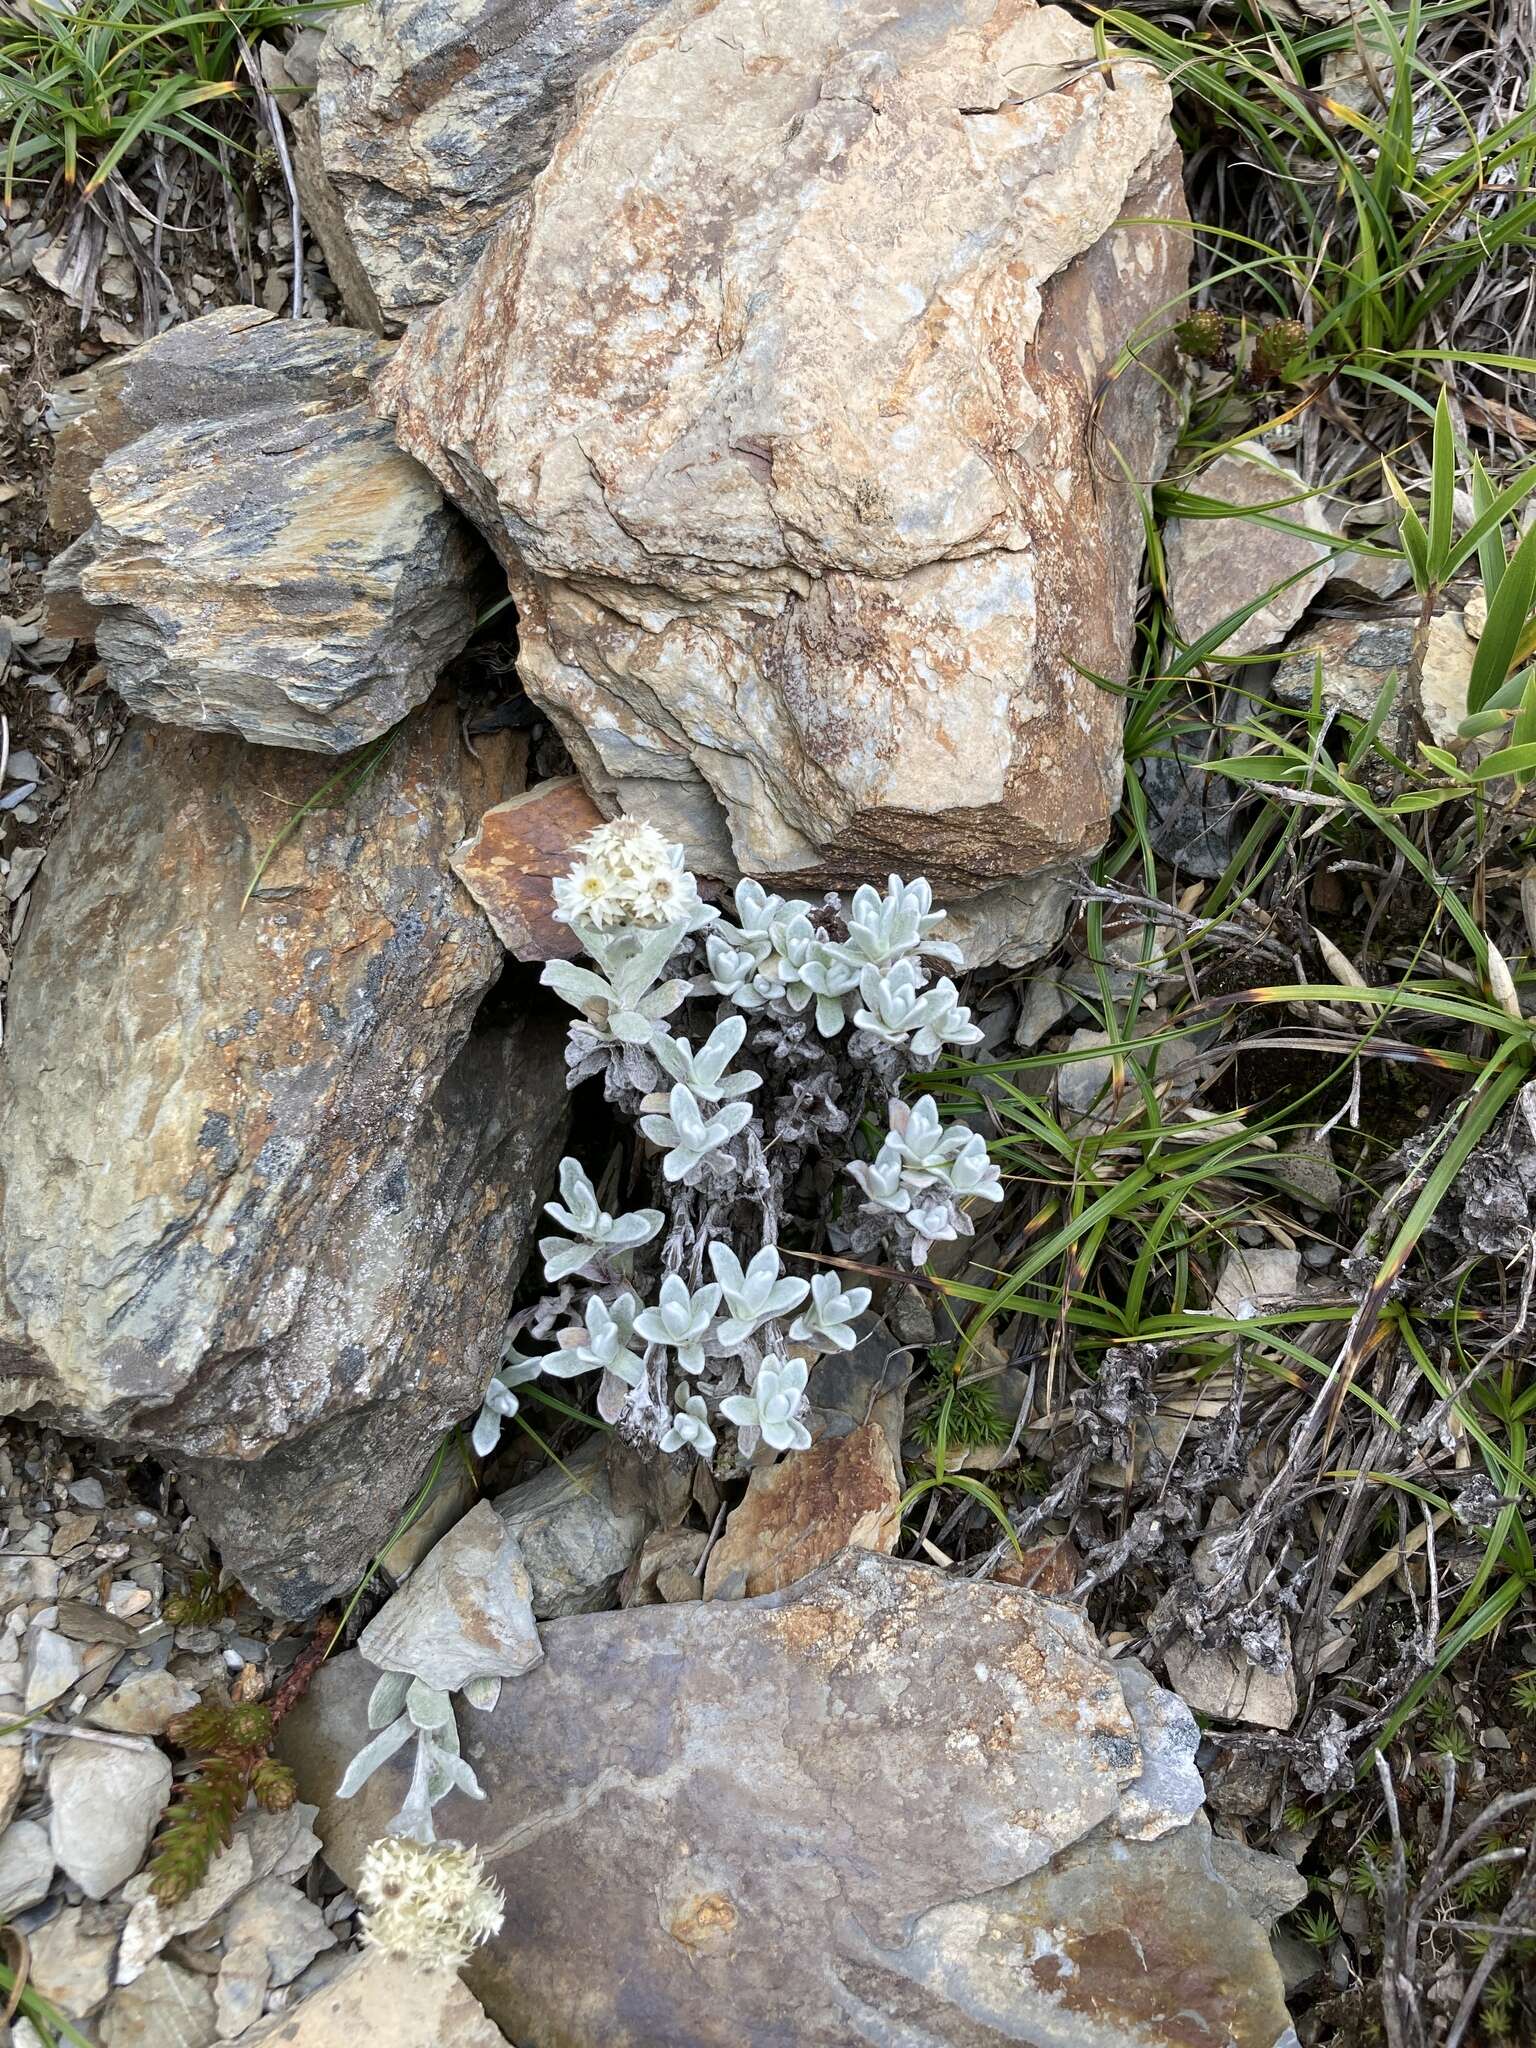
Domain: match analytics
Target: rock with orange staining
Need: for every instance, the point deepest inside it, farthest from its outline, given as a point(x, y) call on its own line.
point(804, 395)
point(508, 865)
point(844, 1493)
point(883, 1804)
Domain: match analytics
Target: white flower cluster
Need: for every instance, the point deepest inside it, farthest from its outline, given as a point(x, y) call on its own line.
point(428, 1906)
point(924, 1173)
point(627, 875)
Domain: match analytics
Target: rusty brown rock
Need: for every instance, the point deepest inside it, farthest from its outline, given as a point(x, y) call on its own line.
point(261, 558)
point(858, 1809)
point(791, 417)
point(264, 1192)
point(1116, 1945)
point(1052, 1568)
point(844, 1493)
point(508, 864)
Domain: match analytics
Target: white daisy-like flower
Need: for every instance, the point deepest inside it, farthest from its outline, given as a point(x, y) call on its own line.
point(427, 1905)
point(588, 892)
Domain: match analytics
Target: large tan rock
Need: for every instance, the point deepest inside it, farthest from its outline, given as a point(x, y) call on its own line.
point(260, 559)
point(264, 1194)
point(431, 117)
point(789, 397)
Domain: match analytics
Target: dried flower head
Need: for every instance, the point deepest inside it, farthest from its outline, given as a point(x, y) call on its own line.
point(427, 1905)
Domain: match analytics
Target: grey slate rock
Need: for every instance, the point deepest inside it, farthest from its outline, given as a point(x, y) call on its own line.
point(269, 564)
point(576, 1540)
point(266, 1193)
point(434, 115)
point(839, 1812)
point(462, 1614)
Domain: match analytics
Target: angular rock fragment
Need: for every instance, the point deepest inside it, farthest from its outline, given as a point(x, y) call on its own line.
point(261, 558)
point(1267, 1885)
point(463, 1614)
point(26, 1866)
point(741, 1802)
point(1216, 566)
point(432, 116)
point(393, 2004)
point(167, 2005)
point(71, 1960)
point(265, 1191)
point(575, 1537)
point(105, 1803)
point(1359, 655)
point(791, 417)
point(509, 864)
point(844, 1493)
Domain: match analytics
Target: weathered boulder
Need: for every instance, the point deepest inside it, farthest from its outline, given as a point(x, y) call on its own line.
point(725, 1819)
point(261, 558)
point(432, 116)
point(265, 1193)
point(787, 399)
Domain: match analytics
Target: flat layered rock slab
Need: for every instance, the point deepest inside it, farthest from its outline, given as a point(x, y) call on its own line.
point(261, 558)
point(1117, 1945)
point(725, 1821)
point(510, 863)
point(785, 397)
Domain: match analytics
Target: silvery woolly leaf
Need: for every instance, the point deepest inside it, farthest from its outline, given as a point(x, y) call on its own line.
point(578, 986)
point(641, 964)
point(427, 1706)
point(457, 1776)
point(635, 1227)
point(387, 1700)
point(481, 1693)
point(631, 1028)
point(372, 1755)
point(612, 1397)
point(486, 1434)
point(562, 1258)
point(581, 1211)
point(415, 1815)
